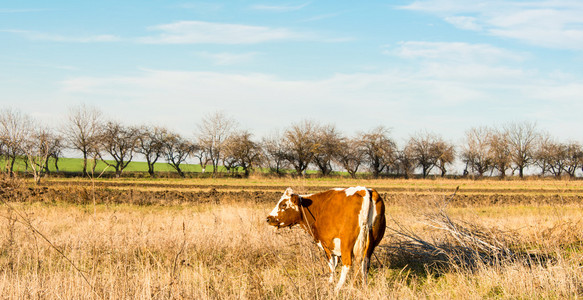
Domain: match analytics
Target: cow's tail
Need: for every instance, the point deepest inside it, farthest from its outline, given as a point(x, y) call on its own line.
point(365, 221)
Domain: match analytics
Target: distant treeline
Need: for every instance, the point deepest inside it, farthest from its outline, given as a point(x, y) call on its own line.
point(219, 146)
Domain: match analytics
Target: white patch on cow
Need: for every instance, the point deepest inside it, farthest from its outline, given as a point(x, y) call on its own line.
point(352, 190)
point(374, 211)
point(345, 270)
point(291, 205)
point(336, 251)
point(365, 219)
point(320, 245)
point(274, 212)
point(287, 198)
point(339, 189)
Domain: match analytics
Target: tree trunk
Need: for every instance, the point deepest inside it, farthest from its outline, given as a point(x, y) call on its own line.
point(11, 169)
point(150, 167)
point(57, 164)
point(46, 166)
point(85, 173)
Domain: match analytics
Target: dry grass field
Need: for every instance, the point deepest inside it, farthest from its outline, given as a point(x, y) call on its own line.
point(207, 239)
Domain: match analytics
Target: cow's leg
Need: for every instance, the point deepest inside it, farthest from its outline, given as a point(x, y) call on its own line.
point(347, 259)
point(365, 266)
point(343, 274)
point(332, 263)
point(366, 259)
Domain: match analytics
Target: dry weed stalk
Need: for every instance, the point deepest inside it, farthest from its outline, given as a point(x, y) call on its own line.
point(456, 245)
point(10, 189)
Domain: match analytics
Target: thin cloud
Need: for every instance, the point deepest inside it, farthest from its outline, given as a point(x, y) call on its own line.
point(227, 59)
point(550, 24)
point(463, 22)
point(452, 52)
point(457, 93)
point(199, 32)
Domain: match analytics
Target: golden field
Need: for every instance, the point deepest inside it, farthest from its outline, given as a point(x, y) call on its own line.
point(207, 239)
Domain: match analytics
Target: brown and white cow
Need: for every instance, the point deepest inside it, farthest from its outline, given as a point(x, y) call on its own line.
point(347, 223)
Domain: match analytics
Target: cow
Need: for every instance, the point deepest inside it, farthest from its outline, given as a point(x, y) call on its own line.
point(347, 223)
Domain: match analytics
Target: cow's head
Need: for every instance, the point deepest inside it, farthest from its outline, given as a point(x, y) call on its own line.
point(287, 211)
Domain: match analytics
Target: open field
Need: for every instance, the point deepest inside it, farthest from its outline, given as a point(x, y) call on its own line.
point(207, 239)
point(76, 165)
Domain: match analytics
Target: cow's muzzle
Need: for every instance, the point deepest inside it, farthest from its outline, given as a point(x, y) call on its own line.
point(271, 221)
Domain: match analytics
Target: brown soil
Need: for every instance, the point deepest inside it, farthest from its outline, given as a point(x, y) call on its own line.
point(144, 194)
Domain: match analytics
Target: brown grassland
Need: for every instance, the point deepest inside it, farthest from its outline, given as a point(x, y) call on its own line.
point(207, 239)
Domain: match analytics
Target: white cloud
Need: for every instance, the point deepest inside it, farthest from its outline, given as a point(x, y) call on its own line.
point(448, 98)
point(225, 58)
point(552, 24)
point(199, 32)
point(464, 22)
point(40, 36)
point(452, 52)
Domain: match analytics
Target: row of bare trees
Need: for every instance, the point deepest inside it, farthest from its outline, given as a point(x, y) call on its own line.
point(22, 138)
point(308, 143)
point(220, 145)
point(516, 147)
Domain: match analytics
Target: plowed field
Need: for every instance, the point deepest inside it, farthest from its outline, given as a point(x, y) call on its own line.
point(395, 192)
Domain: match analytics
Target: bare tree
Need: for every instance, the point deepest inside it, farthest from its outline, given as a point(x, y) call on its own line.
point(245, 152)
point(424, 150)
point(119, 142)
point(573, 158)
point(556, 157)
point(275, 153)
point(300, 144)
point(476, 151)
point(36, 147)
point(15, 128)
point(351, 155)
point(444, 153)
point(214, 130)
point(549, 156)
point(229, 162)
point(176, 151)
point(499, 151)
point(82, 131)
point(150, 144)
point(380, 150)
point(56, 146)
point(404, 163)
point(201, 155)
point(522, 139)
point(326, 147)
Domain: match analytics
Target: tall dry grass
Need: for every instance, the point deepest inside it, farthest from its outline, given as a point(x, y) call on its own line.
point(209, 251)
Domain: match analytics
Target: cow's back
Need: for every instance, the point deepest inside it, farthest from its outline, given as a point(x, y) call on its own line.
point(338, 213)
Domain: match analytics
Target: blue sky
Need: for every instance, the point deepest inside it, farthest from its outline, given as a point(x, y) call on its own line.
point(441, 66)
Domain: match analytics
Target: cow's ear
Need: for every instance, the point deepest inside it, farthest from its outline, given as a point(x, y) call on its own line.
point(288, 192)
point(295, 199)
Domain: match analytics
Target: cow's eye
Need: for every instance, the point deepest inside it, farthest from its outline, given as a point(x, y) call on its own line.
point(283, 206)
